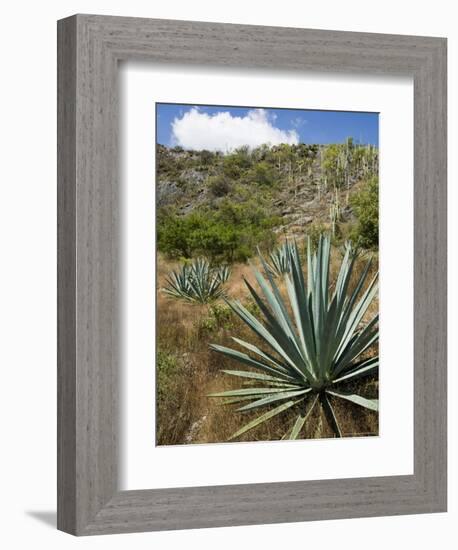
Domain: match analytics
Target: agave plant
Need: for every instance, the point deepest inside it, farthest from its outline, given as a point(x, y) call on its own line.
point(279, 263)
point(197, 282)
point(314, 342)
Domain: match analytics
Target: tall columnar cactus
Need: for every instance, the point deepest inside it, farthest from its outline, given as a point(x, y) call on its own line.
point(334, 212)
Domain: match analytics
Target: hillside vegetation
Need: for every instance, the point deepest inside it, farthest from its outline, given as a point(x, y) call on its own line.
point(224, 206)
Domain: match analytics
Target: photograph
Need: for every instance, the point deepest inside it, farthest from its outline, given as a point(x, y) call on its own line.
point(266, 274)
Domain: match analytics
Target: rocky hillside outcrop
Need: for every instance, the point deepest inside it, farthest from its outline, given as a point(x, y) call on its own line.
point(302, 185)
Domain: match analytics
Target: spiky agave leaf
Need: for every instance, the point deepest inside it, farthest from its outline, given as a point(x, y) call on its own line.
point(309, 353)
point(223, 272)
point(354, 250)
point(197, 282)
point(279, 259)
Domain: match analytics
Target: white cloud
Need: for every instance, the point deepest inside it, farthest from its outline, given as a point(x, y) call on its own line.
point(224, 132)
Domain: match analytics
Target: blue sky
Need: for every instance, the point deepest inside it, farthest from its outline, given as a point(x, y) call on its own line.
point(225, 128)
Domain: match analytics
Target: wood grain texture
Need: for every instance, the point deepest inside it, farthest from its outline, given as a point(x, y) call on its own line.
point(66, 275)
point(90, 47)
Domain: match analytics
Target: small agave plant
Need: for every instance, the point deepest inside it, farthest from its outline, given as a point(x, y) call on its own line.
point(280, 263)
point(314, 342)
point(197, 282)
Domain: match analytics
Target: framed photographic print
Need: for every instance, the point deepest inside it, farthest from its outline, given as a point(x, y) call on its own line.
point(251, 275)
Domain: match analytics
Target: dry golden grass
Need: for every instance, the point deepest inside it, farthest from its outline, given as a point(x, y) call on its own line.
point(185, 414)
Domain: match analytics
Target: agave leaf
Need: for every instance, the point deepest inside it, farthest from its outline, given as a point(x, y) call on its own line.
point(247, 391)
point(272, 398)
point(282, 326)
point(343, 278)
point(343, 328)
point(276, 329)
point(316, 299)
point(309, 267)
point(371, 404)
point(232, 400)
point(275, 302)
point(283, 385)
point(303, 323)
point(269, 338)
point(326, 254)
point(246, 359)
point(331, 415)
point(255, 375)
point(266, 416)
point(327, 337)
point(302, 419)
point(360, 343)
point(364, 368)
point(254, 349)
point(351, 320)
point(360, 284)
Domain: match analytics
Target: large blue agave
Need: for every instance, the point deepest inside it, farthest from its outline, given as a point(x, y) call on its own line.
point(313, 345)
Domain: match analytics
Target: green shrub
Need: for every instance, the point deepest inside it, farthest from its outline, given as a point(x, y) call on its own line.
point(262, 174)
point(219, 185)
point(236, 163)
point(219, 316)
point(228, 234)
point(222, 313)
point(365, 205)
point(252, 307)
point(173, 232)
point(206, 157)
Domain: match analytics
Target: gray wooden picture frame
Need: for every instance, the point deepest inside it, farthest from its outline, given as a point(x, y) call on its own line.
point(89, 49)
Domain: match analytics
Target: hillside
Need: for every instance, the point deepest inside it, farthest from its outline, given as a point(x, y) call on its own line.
point(272, 193)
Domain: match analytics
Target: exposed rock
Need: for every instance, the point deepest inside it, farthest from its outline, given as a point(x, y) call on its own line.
point(299, 197)
point(304, 220)
point(167, 192)
point(193, 176)
point(194, 429)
